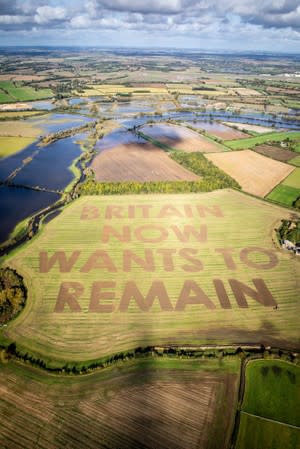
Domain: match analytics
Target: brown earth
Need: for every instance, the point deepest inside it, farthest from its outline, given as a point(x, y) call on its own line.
point(138, 162)
point(186, 139)
point(138, 409)
point(277, 153)
point(255, 173)
point(257, 128)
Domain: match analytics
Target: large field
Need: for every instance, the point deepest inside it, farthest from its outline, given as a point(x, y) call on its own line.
point(181, 138)
point(271, 407)
point(138, 162)
point(113, 273)
point(145, 404)
point(255, 173)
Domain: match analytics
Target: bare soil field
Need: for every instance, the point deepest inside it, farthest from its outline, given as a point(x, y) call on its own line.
point(141, 405)
point(219, 130)
point(181, 138)
point(138, 162)
point(255, 173)
point(277, 153)
point(257, 128)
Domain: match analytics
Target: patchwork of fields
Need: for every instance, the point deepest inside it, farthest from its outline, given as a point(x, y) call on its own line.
point(11, 92)
point(111, 274)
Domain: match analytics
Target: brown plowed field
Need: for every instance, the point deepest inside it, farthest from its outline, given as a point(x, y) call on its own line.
point(181, 138)
point(277, 153)
point(255, 173)
point(138, 162)
point(121, 408)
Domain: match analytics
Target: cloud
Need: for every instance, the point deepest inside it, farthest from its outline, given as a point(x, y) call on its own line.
point(142, 6)
point(167, 20)
point(46, 14)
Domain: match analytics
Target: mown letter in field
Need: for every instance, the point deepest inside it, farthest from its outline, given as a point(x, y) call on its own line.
point(89, 213)
point(195, 265)
point(147, 263)
point(114, 212)
point(227, 255)
point(65, 264)
point(271, 256)
point(154, 234)
point(123, 236)
point(98, 294)
point(68, 294)
point(213, 210)
point(169, 211)
point(157, 290)
point(262, 294)
point(99, 260)
point(191, 293)
point(188, 231)
point(222, 294)
point(167, 258)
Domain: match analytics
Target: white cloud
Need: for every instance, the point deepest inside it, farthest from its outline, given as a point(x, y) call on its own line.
point(13, 19)
point(46, 14)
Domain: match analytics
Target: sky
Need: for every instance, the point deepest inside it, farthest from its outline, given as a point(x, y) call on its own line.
point(255, 25)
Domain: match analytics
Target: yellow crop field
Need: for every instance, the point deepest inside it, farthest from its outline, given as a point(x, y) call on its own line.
point(255, 173)
point(114, 273)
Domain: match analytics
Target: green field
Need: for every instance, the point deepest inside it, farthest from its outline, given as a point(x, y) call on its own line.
point(284, 194)
point(258, 140)
point(293, 180)
point(165, 283)
point(11, 92)
point(288, 191)
point(271, 406)
point(137, 404)
point(295, 161)
point(257, 433)
point(10, 145)
point(277, 391)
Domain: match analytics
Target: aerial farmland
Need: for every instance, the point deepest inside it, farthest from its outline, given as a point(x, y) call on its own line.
point(149, 250)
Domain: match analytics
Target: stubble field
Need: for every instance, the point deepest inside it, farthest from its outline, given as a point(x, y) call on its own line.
point(255, 173)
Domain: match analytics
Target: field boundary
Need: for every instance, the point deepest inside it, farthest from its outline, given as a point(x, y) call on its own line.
point(270, 420)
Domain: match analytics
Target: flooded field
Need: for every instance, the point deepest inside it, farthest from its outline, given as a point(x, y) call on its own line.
point(218, 129)
point(55, 122)
point(18, 203)
point(49, 168)
point(121, 136)
point(181, 138)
